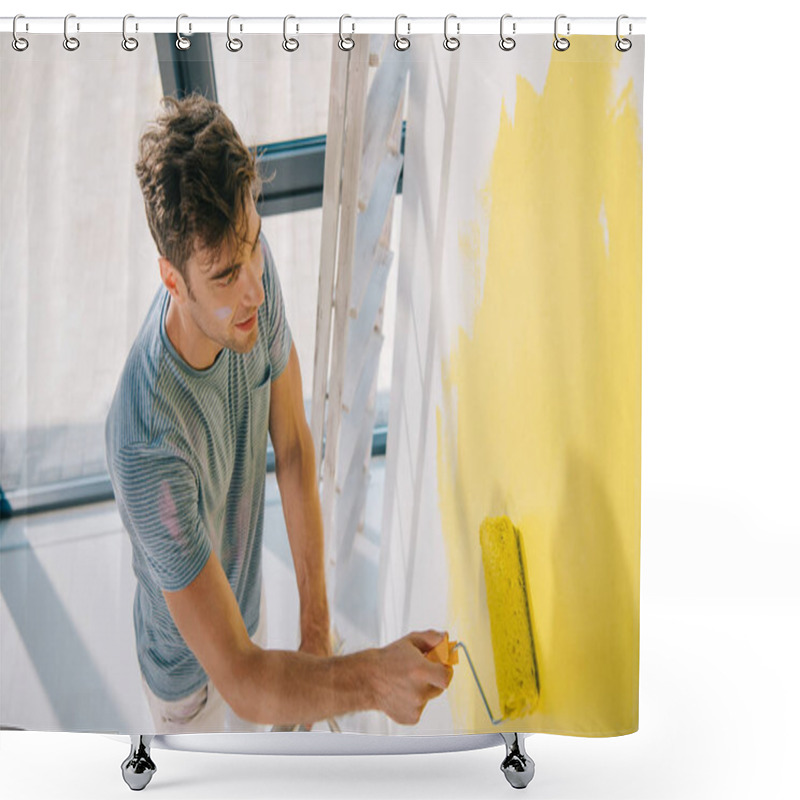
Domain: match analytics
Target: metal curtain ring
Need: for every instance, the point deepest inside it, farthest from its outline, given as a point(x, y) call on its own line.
point(507, 42)
point(345, 42)
point(560, 43)
point(623, 44)
point(451, 42)
point(128, 42)
point(70, 42)
point(181, 42)
point(401, 42)
point(289, 45)
point(18, 43)
point(234, 45)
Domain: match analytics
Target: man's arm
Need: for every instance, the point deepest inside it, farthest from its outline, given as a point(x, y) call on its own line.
point(284, 686)
point(297, 481)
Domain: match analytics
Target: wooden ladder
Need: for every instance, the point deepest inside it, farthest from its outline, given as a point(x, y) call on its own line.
point(362, 168)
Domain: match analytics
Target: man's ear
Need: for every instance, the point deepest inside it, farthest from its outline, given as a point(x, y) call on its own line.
point(173, 280)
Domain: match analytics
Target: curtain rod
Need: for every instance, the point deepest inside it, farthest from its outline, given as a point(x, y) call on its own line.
point(297, 25)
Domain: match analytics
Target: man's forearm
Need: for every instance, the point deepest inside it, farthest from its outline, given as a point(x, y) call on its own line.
point(297, 482)
point(283, 687)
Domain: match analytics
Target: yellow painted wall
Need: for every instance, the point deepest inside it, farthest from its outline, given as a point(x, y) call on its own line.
point(542, 412)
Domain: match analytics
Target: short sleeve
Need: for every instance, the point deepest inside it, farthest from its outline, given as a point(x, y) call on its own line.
point(279, 336)
point(157, 493)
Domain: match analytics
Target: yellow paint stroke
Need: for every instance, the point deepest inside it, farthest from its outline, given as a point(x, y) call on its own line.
point(542, 403)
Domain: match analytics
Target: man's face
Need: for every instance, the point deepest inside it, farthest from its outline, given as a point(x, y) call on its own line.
point(226, 293)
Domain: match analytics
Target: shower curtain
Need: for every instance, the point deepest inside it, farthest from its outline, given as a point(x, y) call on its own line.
point(451, 244)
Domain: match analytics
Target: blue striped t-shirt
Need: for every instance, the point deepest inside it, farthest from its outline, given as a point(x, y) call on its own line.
point(187, 454)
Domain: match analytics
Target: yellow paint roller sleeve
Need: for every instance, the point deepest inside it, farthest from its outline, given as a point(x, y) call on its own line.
point(510, 617)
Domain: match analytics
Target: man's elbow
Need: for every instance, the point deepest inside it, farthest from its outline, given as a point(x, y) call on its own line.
point(296, 458)
point(259, 688)
point(238, 684)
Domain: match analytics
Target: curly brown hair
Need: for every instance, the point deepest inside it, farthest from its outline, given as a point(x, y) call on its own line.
point(195, 174)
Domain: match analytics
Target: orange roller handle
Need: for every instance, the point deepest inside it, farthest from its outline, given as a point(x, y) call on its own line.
point(444, 652)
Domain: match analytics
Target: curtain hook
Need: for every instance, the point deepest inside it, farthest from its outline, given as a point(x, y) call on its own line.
point(70, 42)
point(233, 44)
point(507, 42)
point(401, 42)
point(560, 43)
point(18, 43)
point(289, 45)
point(346, 42)
point(451, 42)
point(181, 42)
point(623, 44)
point(129, 43)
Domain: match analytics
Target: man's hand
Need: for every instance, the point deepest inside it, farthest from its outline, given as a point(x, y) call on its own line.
point(406, 680)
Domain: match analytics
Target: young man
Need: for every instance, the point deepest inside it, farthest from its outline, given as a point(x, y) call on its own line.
point(211, 371)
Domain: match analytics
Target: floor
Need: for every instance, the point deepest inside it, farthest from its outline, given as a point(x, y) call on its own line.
point(67, 644)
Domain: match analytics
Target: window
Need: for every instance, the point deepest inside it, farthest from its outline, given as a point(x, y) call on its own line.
point(74, 290)
point(79, 266)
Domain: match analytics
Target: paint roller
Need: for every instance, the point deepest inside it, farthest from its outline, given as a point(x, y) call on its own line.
point(516, 667)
